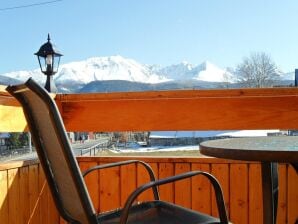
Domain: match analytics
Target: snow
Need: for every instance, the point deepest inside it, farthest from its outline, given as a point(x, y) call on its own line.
point(206, 134)
point(211, 73)
point(158, 148)
point(120, 68)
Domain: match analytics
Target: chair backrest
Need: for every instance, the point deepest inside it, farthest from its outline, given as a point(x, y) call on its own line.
point(55, 154)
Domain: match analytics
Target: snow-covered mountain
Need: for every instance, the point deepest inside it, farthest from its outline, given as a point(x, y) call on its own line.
point(76, 75)
point(203, 72)
point(120, 68)
point(107, 68)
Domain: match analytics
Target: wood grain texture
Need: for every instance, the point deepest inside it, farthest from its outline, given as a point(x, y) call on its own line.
point(282, 194)
point(166, 191)
point(255, 194)
point(14, 196)
point(183, 192)
point(273, 108)
point(240, 181)
point(201, 190)
point(222, 174)
point(239, 193)
point(292, 195)
point(4, 215)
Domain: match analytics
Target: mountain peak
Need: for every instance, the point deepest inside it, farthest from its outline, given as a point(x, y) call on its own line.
point(117, 67)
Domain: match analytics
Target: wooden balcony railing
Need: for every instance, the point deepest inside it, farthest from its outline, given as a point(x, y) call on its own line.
point(24, 195)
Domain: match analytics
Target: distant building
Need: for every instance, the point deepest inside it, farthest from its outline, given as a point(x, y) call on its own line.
point(4, 140)
point(178, 138)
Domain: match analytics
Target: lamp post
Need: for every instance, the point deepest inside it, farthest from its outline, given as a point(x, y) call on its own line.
point(49, 59)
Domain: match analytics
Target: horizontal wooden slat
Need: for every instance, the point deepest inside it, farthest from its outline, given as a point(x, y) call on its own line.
point(274, 108)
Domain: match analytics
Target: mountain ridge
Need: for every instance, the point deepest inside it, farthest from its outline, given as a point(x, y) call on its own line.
point(74, 76)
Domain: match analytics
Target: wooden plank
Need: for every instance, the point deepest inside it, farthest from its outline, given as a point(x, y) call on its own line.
point(12, 119)
point(43, 197)
point(24, 210)
point(201, 190)
point(13, 196)
point(92, 183)
point(166, 191)
point(17, 164)
point(53, 216)
point(179, 110)
point(183, 187)
point(128, 181)
point(239, 193)
point(109, 189)
point(292, 195)
point(4, 196)
point(33, 195)
point(282, 194)
point(221, 173)
point(255, 194)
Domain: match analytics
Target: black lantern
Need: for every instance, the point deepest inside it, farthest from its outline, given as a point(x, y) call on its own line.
point(49, 59)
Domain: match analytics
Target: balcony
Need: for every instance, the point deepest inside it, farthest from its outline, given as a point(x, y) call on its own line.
point(25, 197)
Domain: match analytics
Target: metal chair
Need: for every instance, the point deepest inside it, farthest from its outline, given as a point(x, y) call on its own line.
point(66, 180)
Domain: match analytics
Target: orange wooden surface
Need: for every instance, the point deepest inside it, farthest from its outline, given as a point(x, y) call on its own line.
point(239, 193)
point(240, 181)
point(221, 172)
point(274, 108)
point(200, 190)
point(255, 194)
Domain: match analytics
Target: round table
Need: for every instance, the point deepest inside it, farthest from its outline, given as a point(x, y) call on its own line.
point(267, 150)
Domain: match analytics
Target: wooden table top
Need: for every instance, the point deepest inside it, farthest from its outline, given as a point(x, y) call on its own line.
point(270, 149)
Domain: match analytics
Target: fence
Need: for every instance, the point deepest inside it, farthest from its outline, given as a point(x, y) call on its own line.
point(25, 197)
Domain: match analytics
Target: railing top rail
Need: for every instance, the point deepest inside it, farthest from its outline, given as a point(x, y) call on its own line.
point(212, 93)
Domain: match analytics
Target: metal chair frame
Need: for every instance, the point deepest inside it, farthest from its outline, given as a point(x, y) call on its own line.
point(77, 176)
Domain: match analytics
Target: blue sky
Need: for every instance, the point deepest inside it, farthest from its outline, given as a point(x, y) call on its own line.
point(151, 31)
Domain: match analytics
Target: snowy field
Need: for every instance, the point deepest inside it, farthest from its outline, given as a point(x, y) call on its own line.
point(156, 149)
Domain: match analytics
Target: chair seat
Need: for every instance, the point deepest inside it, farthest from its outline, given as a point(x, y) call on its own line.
point(158, 212)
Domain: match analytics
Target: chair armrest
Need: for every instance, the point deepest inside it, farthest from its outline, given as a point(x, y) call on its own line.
point(127, 162)
point(217, 188)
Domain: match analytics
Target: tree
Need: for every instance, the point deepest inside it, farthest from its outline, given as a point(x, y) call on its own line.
point(18, 139)
point(227, 78)
point(257, 70)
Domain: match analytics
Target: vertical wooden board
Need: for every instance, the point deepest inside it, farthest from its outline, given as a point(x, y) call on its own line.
point(109, 189)
point(43, 200)
point(255, 194)
point(24, 210)
point(3, 197)
point(221, 173)
point(200, 190)
point(292, 195)
point(239, 193)
point(13, 196)
point(92, 183)
point(53, 215)
point(128, 181)
point(142, 178)
point(166, 191)
point(282, 194)
point(183, 187)
point(33, 194)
